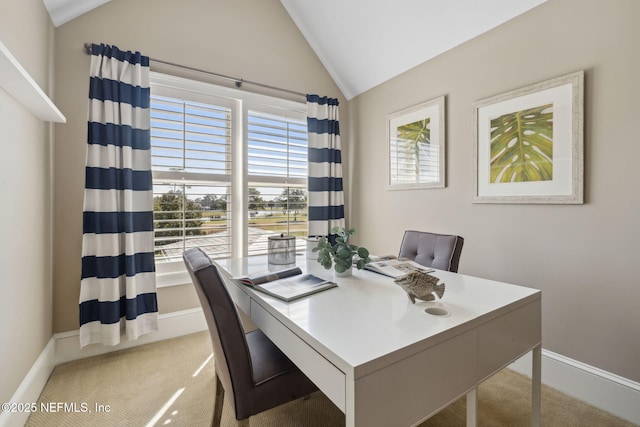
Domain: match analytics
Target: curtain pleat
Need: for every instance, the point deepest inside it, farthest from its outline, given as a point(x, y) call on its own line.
point(118, 287)
point(326, 196)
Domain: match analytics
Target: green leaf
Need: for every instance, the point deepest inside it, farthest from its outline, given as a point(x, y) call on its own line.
point(325, 262)
point(522, 146)
point(416, 133)
point(363, 253)
point(344, 253)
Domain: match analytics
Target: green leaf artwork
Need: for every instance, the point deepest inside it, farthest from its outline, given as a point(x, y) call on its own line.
point(522, 146)
point(413, 138)
point(414, 134)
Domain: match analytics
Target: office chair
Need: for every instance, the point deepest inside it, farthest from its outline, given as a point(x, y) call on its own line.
point(249, 368)
point(441, 251)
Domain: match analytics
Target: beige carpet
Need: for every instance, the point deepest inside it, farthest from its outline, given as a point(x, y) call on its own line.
point(171, 383)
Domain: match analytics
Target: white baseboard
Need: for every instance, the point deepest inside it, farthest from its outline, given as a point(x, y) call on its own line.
point(31, 386)
point(609, 392)
point(170, 325)
point(599, 388)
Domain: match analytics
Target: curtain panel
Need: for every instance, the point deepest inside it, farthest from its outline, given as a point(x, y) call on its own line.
point(118, 286)
point(326, 196)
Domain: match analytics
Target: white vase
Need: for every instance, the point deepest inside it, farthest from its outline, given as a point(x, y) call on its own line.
point(346, 273)
point(312, 242)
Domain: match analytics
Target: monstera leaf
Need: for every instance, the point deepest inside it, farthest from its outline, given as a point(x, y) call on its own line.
point(522, 146)
point(414, 134)
point(413, 138)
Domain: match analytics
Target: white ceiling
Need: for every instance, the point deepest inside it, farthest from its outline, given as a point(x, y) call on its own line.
point(63, 11)
point(363, 43)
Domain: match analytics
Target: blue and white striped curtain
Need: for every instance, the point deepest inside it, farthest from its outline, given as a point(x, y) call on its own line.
point(118, 288)
point(326, 197)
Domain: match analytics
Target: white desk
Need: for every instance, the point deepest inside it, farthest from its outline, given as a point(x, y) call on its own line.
point(384, 361)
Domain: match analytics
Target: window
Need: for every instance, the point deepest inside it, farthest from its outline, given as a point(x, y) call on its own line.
point(229, 169)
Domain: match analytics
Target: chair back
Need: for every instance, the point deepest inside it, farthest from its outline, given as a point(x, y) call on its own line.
point(441, 251)
point(232, 357)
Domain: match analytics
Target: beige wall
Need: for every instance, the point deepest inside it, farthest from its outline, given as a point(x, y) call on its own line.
point(253, 40)
point(584, 258)
point(25, 181)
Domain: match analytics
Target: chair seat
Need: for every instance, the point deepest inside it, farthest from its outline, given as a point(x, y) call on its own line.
point(277, 379)
point(267, 360)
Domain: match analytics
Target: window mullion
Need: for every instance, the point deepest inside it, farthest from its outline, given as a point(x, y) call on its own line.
point(184, 135)
point(183, 189)
point(239, 181)
point(288, 210)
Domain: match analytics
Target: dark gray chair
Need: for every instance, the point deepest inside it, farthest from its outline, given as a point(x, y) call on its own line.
point(252, 371)
point(441, 251)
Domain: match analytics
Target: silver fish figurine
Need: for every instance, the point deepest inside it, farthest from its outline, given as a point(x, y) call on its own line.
point(420, 285)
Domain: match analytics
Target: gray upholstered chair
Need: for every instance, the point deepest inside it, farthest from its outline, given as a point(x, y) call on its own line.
point(441, 251)
point(253, 372)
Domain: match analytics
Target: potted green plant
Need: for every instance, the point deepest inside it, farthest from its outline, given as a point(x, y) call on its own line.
point(341, 254)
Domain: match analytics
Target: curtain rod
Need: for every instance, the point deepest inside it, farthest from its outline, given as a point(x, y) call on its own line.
point(238, 82)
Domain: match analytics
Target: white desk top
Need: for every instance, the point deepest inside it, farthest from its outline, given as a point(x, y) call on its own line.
point(368, 306)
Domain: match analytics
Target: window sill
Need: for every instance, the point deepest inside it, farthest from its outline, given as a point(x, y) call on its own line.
point(174, 278)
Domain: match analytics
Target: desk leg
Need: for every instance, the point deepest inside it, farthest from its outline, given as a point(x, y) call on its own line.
point(472, 408)
point(536, 385)
point(350, 404)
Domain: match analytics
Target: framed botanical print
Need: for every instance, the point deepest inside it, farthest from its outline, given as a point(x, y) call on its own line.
point(416, 138)
point(529, 144)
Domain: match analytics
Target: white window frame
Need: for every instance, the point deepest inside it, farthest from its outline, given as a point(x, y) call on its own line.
point(241, 102)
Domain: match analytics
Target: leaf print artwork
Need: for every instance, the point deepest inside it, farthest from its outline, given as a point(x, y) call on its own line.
point(414, 134)
point(414, 140)
point(522, 146)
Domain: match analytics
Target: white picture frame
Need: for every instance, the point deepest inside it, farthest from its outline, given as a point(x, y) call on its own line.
point(541, 124)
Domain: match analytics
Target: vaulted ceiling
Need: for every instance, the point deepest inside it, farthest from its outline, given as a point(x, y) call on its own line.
point(363, 43)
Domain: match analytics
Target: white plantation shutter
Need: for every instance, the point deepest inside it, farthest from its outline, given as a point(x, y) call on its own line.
point(277, 146)
point(190, 136)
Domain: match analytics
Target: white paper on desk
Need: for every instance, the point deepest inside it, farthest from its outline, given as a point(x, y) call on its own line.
point(396, 267)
